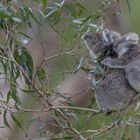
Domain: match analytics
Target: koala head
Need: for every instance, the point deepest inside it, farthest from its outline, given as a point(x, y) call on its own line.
point(125, 43)
point(98, 42)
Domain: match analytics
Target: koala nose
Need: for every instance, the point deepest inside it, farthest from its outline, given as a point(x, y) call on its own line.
point(88, 36)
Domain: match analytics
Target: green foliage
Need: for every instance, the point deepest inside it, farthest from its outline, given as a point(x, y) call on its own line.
point(70, 21)
point(16, 121)
point(24, 59)
point(5, 119)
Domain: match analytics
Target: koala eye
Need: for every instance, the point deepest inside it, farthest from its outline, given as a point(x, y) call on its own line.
point(94, 37)
point(91, 37)
point(88, 36)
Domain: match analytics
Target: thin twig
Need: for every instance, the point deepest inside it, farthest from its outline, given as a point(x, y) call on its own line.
point(48, 58)
point(104, 129)
point(60, 107)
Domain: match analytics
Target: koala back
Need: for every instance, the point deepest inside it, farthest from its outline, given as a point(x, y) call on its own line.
point(114, 92)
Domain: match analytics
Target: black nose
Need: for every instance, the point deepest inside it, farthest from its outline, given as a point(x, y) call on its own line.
point(87, 36)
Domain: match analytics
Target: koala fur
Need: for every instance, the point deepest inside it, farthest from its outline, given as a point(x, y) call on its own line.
point(97, 42)
point(126, 49)
point(129, 60)
point(114, 91)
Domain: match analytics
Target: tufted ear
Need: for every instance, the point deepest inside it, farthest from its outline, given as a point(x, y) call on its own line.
point(133, 38)
point(110, 36)
point(106, 33)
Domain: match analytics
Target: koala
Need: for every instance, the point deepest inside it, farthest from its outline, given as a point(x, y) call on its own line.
point(114, 91)
point(126, 49)
point(97, 42)
point(132, 73)
point(128, 52)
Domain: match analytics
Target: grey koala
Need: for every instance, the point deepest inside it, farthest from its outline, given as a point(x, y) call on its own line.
point(114, 91)
point(97, 42)
point(128, 52)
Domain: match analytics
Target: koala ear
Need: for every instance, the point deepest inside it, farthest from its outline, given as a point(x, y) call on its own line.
point(110, 36)
point(133, 38)
point(106, 35)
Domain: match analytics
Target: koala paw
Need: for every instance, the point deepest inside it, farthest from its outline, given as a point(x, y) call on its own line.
point(107, 61)
point(113, 63)
point(107, 111)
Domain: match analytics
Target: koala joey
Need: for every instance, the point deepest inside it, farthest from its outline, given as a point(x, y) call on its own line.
point(128, 52)
point(126, 49)
point(114, 91)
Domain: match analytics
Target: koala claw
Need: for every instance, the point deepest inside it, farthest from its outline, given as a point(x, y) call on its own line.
point(107, 111)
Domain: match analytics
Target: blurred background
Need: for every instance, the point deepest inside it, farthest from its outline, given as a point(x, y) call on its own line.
point(58, 34)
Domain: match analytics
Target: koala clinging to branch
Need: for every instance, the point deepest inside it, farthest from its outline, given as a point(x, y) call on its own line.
point(114, 92)
point(128, 52)
point(100, 42)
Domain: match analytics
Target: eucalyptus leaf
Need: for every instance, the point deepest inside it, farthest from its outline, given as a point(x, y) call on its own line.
point(16, 121)
point(5, 119)
point(4, 13)
point(24, 34)
point(41, 74)
point(16, 19)
point(13, 94)
point(128, 4)
point(53, 11)
point(44, 2)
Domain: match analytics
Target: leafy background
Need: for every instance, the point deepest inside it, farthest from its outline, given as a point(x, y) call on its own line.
point(33, 30)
